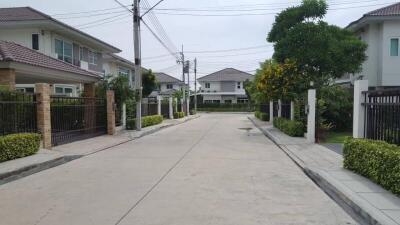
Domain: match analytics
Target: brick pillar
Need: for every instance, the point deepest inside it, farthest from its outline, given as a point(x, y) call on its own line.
point(7, 78)
point(43, 113)
point(89, 90)
point(110, 112)
point(90, 107)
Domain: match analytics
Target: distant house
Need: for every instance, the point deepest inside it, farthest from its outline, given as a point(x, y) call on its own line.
point(167, 85)
point(380, 29)
point(117, 66)
point(37, 31)
point(224, 86)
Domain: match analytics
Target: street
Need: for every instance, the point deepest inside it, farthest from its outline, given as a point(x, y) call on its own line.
point(217, 169)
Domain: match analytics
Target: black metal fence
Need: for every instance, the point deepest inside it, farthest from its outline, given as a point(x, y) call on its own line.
point(74, 119)
point(264, 108)
point(149, 109)
point(285, 111)
point(165, 109)
point(382, 115)
point(17, 113)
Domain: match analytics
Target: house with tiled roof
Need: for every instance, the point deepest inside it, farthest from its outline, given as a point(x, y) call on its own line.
point(224, 86)
point(380, 29)
point(167, 85)
point(41, 33)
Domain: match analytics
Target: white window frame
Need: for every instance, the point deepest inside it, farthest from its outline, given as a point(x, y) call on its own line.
point(123, 71)
point(170, 86)
point(207, 85)
point(73, 93)
point(63, 49)
point(38, 41)
point(92, 57)
point(239, 85)
point(398, 46)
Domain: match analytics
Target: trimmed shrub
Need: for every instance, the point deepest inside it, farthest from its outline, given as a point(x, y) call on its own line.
point(146, 121)
point(290, 127)
point(262, 115)
point(192, 112)
point(19, 145)
point(376, 160)
point(178, 115)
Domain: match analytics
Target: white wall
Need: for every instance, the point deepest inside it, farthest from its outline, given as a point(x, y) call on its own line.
point(214, 86)
point(390, 64)
point(163, 87)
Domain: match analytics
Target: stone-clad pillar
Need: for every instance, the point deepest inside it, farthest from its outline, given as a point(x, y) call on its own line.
point(43, 113)
point(110, 112)
point(7, 78)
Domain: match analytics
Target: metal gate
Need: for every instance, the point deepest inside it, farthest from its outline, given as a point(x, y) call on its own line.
point(74, 119)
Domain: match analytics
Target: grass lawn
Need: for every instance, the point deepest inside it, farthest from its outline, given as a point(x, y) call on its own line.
point(337, 137)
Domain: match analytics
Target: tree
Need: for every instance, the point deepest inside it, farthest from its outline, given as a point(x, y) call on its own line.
point(322, 52)
point(149, 83)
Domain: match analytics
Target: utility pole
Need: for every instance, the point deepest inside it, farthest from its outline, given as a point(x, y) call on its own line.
point(183, 104)
point(188, 87)
point(195, 85)
point(138, 64)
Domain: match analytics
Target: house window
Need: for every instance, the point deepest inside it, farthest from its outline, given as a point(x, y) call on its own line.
point(394, 47)
point(169, 86)
point(207, 85)
point(92, 58)
point(242, 100)
point(59, 90)
point(35, 41)
point(216, 101)
point(26, 89)
point(63, 50)
point(80, 53)
point(228, 101)
point(123, 72)
point(238, 85)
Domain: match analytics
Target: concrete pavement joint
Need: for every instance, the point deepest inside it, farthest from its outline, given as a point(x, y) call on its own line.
point(166, 174)
point(330, 190)
point(32, 169)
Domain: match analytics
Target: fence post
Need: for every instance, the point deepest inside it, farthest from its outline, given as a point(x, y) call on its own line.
point(292, 110)
point(171, 110)
point(279, 108)
point(7, 78)
point(311, 116)
point(182, 105)
point(158, 105)
point(123, 117)
point(110, 112)
point(271, 111)
point(176, 104)
point(188, 107)
point(359, 109)
point(89, 92)
point(43, 113)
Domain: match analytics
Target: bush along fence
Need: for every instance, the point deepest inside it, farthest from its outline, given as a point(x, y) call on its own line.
point(57, 119)
point(294, 120)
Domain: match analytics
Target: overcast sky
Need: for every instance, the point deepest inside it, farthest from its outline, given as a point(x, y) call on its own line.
point(209, 32)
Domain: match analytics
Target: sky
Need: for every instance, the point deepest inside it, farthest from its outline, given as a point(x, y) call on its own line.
point(219, 33)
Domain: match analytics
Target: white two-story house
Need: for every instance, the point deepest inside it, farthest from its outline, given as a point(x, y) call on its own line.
point(167, 85)
point(115, 65)
point(380, 29)
point(35, 30)
point(224, 86)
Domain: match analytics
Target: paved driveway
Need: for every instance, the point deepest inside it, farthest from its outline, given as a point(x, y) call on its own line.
point(206, 171)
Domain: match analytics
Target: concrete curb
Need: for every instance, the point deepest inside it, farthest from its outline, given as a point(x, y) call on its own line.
point(358, 208)
point(35, 168)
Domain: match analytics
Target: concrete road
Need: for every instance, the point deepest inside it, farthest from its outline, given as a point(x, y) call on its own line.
point(206, 171)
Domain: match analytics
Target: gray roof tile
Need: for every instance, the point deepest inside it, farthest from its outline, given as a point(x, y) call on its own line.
point(165, 78)
point(228, 74)
point(391, 10)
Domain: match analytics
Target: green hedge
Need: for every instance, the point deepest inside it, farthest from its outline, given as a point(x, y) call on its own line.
point(19, 145)
point(262, 115)
point(290, 127)
point(178, 115)
point(146, 121)
point(376, 160)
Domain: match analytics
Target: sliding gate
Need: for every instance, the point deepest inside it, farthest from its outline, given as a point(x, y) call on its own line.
point(74, 119)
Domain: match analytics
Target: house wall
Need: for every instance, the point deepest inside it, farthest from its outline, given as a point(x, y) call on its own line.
point(214, 86)
point(228, 97)
point(228, 86)
point(47, 44)
point(390, 64)
point(163, 87)
point(211, 98)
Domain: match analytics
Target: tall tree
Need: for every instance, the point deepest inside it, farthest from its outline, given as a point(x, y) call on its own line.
point(322, 52)
point(149, 83)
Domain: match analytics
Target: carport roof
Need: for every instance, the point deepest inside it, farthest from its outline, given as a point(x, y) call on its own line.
point(12, 52)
